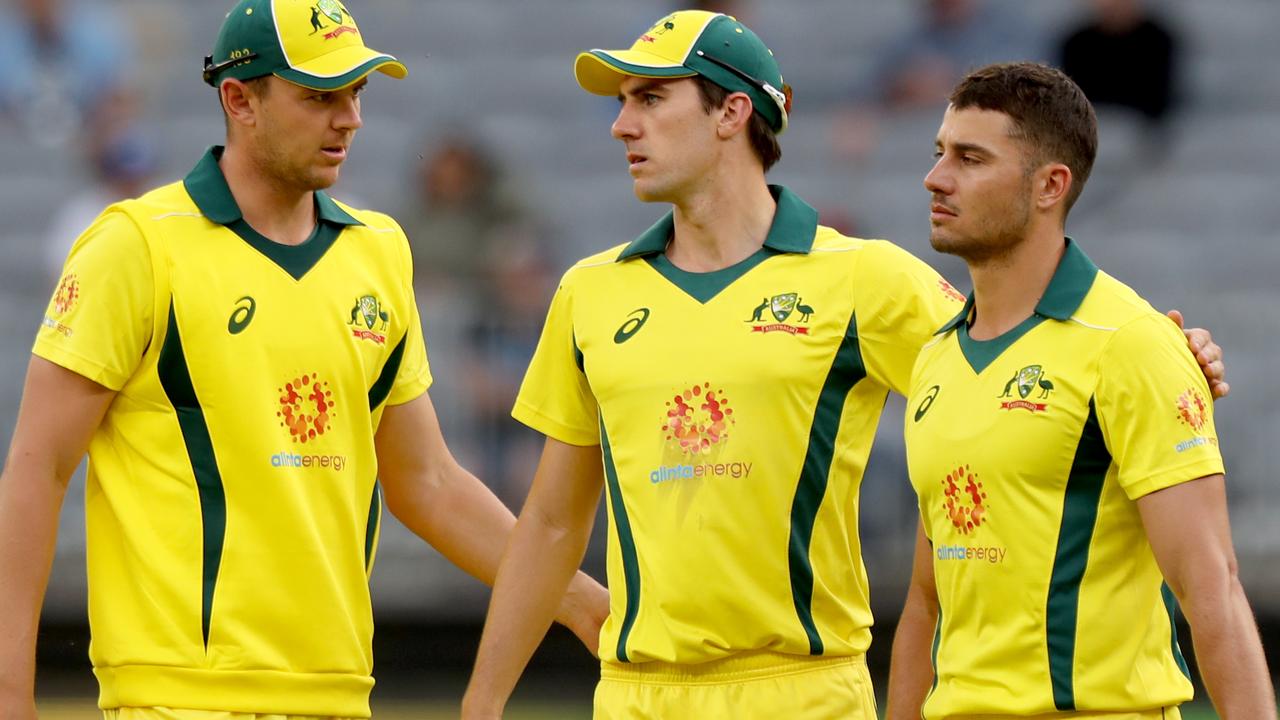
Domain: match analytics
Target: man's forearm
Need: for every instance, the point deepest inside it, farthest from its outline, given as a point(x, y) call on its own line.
point(461, 518)
point(911, 668)
point(1231, 660)
point(30, 498)
point(538, 567)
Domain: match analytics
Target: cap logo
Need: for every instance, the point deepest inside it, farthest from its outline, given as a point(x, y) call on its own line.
point(331, 10)
point(660, 28)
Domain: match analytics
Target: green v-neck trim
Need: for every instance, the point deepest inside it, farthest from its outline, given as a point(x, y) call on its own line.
point(296, 260)
point(795, 224)
point(208, 189)
point(981, 353)
point(705, 286)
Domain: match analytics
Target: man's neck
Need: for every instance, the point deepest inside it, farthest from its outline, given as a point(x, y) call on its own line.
point(280, 214)
point(1007, 289)
point(723, 224)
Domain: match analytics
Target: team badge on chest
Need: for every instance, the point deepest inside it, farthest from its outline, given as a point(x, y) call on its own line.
point(1028, 380)
point(782, 307)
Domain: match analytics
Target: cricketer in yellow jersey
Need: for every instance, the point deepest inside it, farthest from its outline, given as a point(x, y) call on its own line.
point(719, 379)
point(1062, 444)
point(243, 360)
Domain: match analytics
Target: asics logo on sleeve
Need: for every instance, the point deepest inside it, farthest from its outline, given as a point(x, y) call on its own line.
point(242, 315)
point(632, 326)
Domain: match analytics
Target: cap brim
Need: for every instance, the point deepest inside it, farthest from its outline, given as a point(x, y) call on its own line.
point(601, 72)
point(340, 68)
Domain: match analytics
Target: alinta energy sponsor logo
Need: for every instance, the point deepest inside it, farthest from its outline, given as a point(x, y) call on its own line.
point(369, 320)
point(697, 423)
point(965, 504)
point(1193, 411)
point(306, 409)
point(781, 307)
point(1026, 381)
point(64, 299)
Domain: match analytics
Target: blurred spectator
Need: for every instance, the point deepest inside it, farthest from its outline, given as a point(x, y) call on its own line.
point(917, 69)
point(519, 280)
point(457, 214)
point(121, 161)
point(483, 280)
point(1124, 56)
point(60, 58)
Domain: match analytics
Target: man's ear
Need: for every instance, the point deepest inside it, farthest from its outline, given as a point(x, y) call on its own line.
point(239, 102)
point(735, 115)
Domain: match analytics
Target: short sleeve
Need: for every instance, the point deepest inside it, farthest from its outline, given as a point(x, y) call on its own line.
point(555, 398)
point(99, 322)
point(414, 374)
point(1155, 409)
point(899, 303)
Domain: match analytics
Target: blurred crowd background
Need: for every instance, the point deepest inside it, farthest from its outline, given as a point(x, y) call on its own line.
point(502, 172)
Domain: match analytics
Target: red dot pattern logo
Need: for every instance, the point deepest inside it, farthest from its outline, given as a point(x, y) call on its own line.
point(1193, 410)
point(67, 294)
point(965, 502)
point(306, 407)
point(697, 419)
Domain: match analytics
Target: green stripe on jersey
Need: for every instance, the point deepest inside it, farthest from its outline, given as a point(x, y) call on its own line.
point(1079, 515)
point(846, 370)
point(175, 378)
point(626, 543)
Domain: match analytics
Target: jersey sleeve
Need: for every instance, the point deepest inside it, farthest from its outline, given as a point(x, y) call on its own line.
point(413, 377)
point(1155, 409)
point(899, 303)
point(99, 321)
point(555, 398)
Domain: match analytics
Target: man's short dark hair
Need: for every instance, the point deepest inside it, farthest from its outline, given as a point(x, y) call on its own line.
point(764, 141)
point(1050, 113)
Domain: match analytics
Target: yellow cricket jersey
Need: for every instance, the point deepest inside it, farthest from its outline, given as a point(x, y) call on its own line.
point(735, 410)
point(1028, 452)
point(232, 504)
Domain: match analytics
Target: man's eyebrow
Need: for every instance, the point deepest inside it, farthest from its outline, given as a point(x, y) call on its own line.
point(966, 147)
point(641, 89)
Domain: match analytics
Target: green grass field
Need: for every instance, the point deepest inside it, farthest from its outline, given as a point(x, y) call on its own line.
point(84, 710)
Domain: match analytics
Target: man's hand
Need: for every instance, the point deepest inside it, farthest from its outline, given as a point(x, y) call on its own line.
point(1208, 354)
point(584, 609)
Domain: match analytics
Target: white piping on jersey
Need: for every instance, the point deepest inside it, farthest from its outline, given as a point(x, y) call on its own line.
point(937, 339)
point(176, 214)
point(597, 264)
point(1092, 327)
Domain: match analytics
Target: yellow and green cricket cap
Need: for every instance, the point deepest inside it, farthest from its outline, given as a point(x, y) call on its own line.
point(312, 43)
point(695, 42)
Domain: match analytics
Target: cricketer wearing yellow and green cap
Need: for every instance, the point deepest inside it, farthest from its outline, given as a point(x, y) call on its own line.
point(718, 380)
point(689, 43)
point(241, 356)
point(314, 44)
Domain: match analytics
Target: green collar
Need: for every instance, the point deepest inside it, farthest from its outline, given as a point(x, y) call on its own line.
point(1070, 284)
point(794, 224)
point(207, 186)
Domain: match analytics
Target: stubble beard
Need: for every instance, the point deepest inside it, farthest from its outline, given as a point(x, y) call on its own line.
point(993, 240)
point(284, 172)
